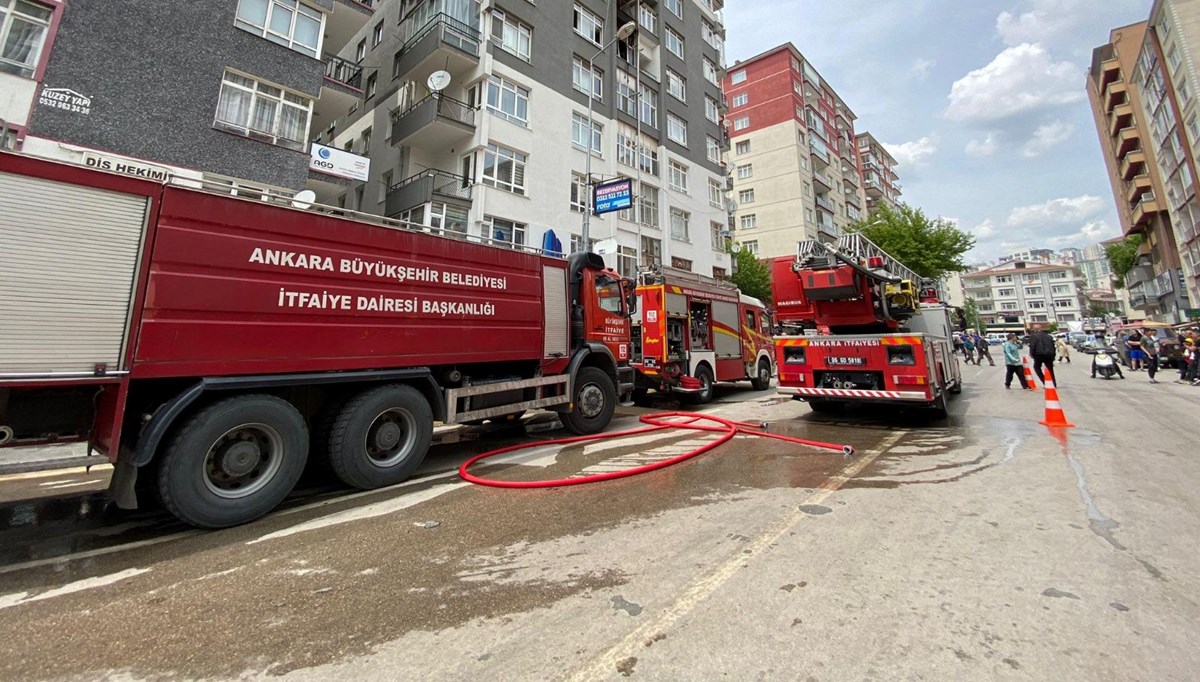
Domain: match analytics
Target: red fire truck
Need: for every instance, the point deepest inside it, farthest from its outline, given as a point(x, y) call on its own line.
point(693, 331)
point(210, 345)
point(858, 329)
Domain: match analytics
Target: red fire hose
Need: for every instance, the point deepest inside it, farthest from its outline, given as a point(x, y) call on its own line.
point(657, 422)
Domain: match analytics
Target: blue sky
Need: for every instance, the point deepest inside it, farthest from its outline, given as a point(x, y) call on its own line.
point(983, 102)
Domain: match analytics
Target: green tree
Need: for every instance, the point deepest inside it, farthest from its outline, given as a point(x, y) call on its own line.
point(971, 313)
point(1121, 257)
point(929, 247)
point(1097, 309)
point(752, 276)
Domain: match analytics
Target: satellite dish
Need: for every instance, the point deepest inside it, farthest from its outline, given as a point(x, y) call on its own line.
point(438, 80)
point(304, 198)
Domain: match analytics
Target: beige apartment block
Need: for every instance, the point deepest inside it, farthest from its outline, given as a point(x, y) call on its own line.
point(772, 190)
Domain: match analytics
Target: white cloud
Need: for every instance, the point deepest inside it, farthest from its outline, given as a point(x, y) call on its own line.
point(985, 229)
point(1090, 233)
point(983, 148)
point(1056, 212)
point(1020, 79)
point(1047, 137)
point(921, 67)
point(1047, 21)
point(914, 153)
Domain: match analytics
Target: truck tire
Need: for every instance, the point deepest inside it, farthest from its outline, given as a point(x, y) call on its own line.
point(234, 461)
point(823, 406)
point(705, 376)
point(762, 376)
point(938, 407)
point(380, 436)
point(593, 404)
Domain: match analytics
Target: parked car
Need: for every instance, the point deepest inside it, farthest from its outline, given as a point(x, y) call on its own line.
point(1170, 351)
point(1076, 339)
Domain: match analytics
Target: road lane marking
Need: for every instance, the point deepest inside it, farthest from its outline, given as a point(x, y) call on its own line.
point(602, 666)
point(18, 598)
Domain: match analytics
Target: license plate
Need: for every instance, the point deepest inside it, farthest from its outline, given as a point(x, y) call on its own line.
point(847, 361)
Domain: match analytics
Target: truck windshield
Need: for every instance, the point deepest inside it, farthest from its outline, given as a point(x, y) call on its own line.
point(608, 293)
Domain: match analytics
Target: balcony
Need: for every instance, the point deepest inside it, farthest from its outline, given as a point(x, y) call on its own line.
point(1134, 163)
point(874, 190)
point(1122, 117)
point(1110, 70)
point(820, 152)
point(347, 18)
point(1138, 186)
point(822, 180)
point(340, 90)
point(442, 43)
point(1116, 93)
point(1146, 207)
point(427, 186)
point(825, 204)
point(1127, 140)
point(827, 227)
point(436, 122)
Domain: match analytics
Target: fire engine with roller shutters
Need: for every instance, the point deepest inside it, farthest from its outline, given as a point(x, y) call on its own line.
point(693, 331)
point(858, 326)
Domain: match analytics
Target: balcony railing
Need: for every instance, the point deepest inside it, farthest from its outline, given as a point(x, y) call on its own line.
point(344, 72)
point(819, 149)
point(824, 204)
point(427, 186)
point(454, 32)
point(447, 107)
point(823, 179)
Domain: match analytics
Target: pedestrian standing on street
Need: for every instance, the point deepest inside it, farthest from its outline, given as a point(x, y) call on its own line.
point(981, 345)
point(1133, 343)
point(1012, 363)
point(958, 344)
point(1041, 348)
point(1150, 348)
point(1188, 359)
point(1063, 351)
point(969, 350)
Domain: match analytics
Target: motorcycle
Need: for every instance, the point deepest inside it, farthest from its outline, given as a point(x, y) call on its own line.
point(1104, 364)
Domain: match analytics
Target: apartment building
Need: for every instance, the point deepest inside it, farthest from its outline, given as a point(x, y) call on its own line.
point(1017, 294)
point(497, 149)
point(793, 157)
point(225, 91)
point(881, 184)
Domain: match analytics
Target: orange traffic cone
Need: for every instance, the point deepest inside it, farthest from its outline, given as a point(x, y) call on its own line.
point(1054, 411)
point(1029, 374)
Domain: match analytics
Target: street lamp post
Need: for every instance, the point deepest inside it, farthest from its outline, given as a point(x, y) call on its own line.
point(624, 32)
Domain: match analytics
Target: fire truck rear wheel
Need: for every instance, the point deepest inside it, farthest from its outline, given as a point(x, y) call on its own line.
point(234, 461)
point(938, 407)
point(825, 406)
point(705, 376)
point(380, 436)
point(594, 401)
point(762, 378)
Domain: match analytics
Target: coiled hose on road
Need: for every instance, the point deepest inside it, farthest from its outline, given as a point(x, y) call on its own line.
point(657, 422)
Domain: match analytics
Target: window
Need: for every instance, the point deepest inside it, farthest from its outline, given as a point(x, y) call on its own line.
point(713, 148)
point(261, 111)
point(371, 84)
point(676, 86)
point(647, 18)
point(579, 193)
point(741, 123)
point(745, 171)
point(1057, 274)
point(626, 265)
point(719, 273)
point(673, 41)
point(679, 224)
point(1033, 291)
point(1005, 293)
point(681, 263)
point(361, 50)
point(589, 81)
point(577, 244)
point(503, 169)
point(741, 99)
point(750, 247)
point(627, 93)
point(676, 129)
point(1037, 305)
point(648, 205)
point(651, 252)
point(1173, 57)
point(711, 36)
point(579, 134)
point(677, 176)
point(588, 25)
point(287, 22)
point(511, 34)
point(720, 238)
point(377, 34)
point(1060, 289)
point(385, 183)
point(738, 77)
point(711, 74)
point(631, 152)
point(742, 147)
point(746, 196)
point(1004, 279)
point(507, 100)
point(749, 222)
point(1064, 303)
point(505, 231)
point(1008, 305)
point(649, 109)
point(365, 142)
point(676, 7)
point(716, 193)
point(712, 109)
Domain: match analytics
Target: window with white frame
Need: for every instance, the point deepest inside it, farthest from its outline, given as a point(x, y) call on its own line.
point(589, 81)
point(627, 261)
point(1004, 279)
point(377, 35)
point(1005, 293)
point(507, 100)
point(505, 231)
point(647, 18)
point(361, 50)
point(677, 176)
point(746, 196)
point(649, 107)
point(742, 147)
point(745, 171)
point(750, 247)
point(711, 36)
point(588, 24)
point(651, 252)
point(676, 86)
point(385, 184)
point(287, 22)
point(23, 29)
point(676, 129)
point(676, 7)
point(262, 111)
point(716, 193)
point(579, 193)
point(1173, 57)
point(741, 123)
point(503, 169)
point(719, 237)
point(748, 222)
point(627, 93)
point(679, 224)
point(1057, 274)
point(738, 77)
point(579, 134)
point(741, 99)
point(1008, 305)
point(647, 200)
point(1037, 305)
point(1059, 289)
point(673, 41)
point(711, 73)
point(712, 148)
point(512, 34)
point(372, 82)
point(712, 109)
point(1033, 291)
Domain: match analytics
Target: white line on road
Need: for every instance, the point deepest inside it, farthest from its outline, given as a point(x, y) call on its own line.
point(18, 598)
point(602, 666)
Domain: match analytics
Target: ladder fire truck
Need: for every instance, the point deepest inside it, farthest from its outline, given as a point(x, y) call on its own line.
point(693, 331)
point(858, 326)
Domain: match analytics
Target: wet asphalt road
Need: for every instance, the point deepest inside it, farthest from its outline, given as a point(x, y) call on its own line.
point(985, 546)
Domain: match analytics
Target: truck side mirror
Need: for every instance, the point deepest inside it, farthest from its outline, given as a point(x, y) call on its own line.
point(630, 288)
